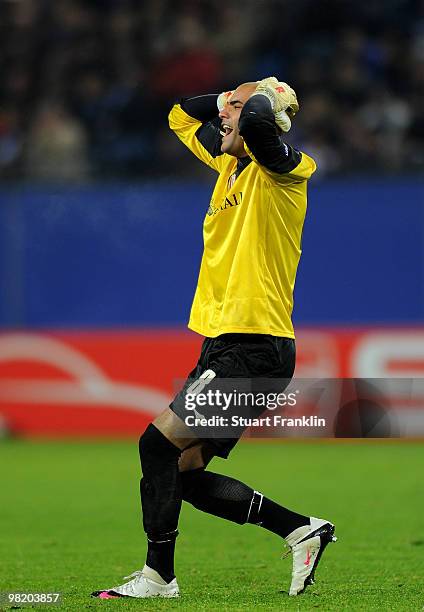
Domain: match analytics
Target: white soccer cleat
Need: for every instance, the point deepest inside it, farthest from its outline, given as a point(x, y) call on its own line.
point(145, 583)
point(307, 545)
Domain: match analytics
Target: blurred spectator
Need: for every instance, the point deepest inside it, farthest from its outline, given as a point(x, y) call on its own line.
point(388, 117)
point(189, 65)
point(11, 141)
point(358, 69)
point(56, 148)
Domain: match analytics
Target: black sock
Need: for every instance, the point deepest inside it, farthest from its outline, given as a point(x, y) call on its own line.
point(160, 557)
point(276, 518)
point(216, 494)
point(233, 500)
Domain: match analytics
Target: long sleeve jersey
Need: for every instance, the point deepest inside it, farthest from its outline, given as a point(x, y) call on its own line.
point(253, 227)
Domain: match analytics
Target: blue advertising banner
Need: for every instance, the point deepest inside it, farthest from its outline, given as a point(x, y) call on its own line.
point(128, 255)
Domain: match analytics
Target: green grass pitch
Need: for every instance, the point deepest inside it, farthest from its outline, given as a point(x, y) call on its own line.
point(69, 522)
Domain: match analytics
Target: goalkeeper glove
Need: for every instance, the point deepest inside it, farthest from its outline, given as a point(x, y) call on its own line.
point(223, 99)
point(283, 100)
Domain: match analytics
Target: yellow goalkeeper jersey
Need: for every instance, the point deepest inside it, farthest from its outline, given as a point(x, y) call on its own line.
point(252, 236)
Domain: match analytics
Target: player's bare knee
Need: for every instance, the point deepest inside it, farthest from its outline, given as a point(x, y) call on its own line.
point(191, 459)
point(196, 457)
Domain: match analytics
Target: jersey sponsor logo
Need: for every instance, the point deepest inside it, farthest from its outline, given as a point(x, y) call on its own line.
point(228, 202)
point(231, 181)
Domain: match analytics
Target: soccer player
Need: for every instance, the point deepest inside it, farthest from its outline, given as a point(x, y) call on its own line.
point(242, 305)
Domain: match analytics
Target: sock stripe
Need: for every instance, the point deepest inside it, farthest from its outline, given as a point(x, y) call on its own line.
point(250, 507)
point(165, 537)
point(260, 504)
point(255, 506)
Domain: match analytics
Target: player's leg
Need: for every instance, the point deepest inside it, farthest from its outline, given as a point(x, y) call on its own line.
point(196, 457)
point(229, 498)
point(235, 501)
point(161, 495)
point(160, 447)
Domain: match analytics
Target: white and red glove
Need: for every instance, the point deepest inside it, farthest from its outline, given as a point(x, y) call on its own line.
point(283, 100)
point(223, 99)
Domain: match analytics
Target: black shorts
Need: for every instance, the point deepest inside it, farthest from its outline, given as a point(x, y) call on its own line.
point(239, 356)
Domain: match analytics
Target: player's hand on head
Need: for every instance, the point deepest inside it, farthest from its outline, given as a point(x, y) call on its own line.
point(223, 99)
point(283, 100)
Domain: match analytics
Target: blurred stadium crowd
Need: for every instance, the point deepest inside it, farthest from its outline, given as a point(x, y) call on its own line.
point(86, 85)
